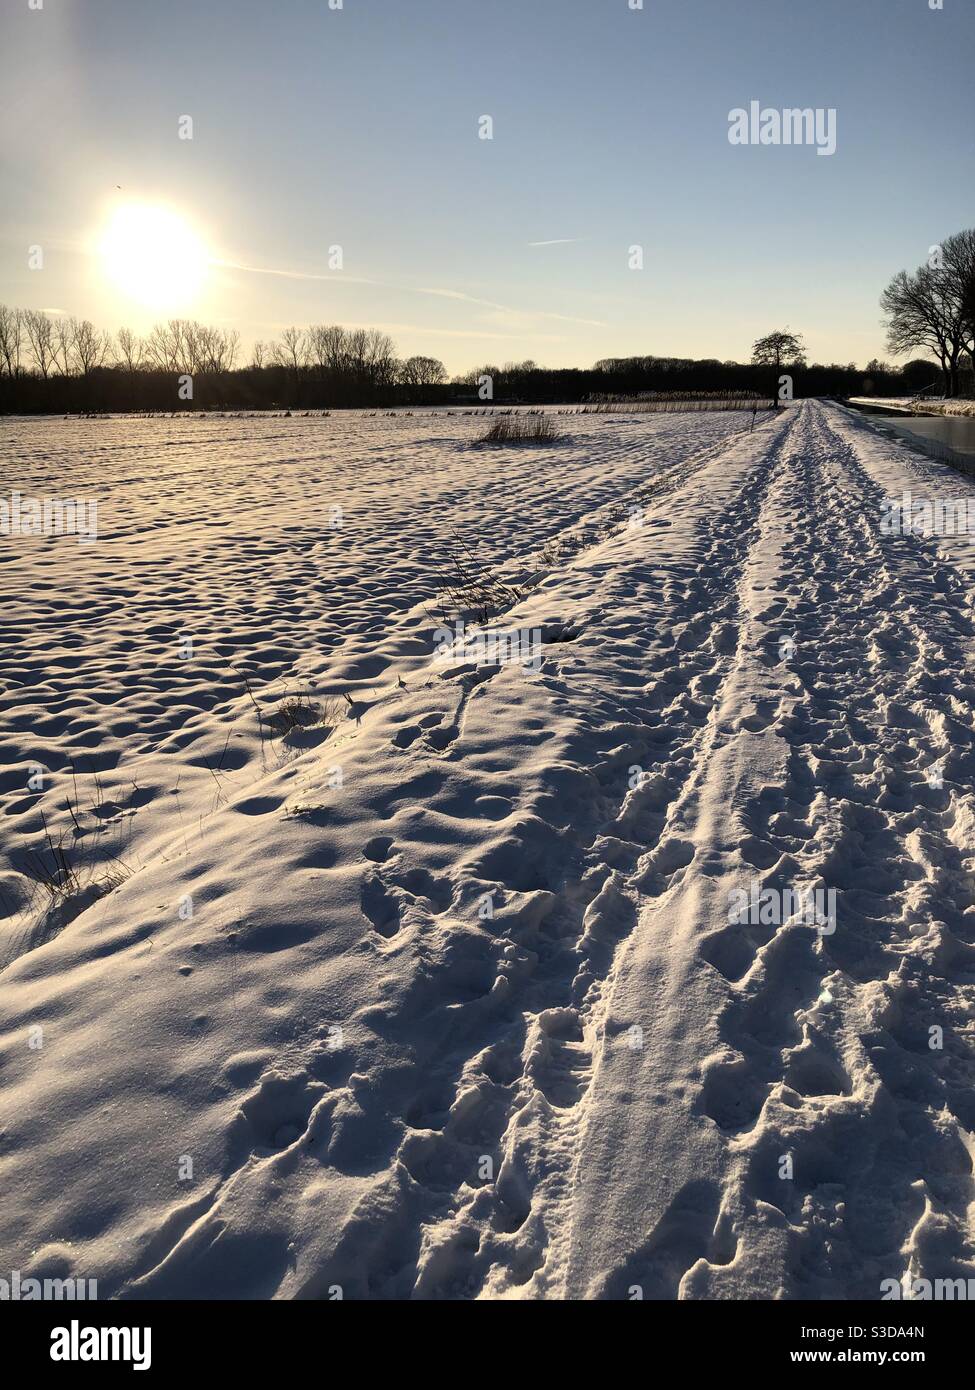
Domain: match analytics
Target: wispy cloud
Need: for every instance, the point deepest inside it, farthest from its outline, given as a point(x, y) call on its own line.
point(508, 309)
point(557, 241)
point(471, 333)
point(339, 277)
point(335, 276)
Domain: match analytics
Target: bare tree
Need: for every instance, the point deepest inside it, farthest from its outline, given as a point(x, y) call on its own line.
point(11, 339)
point(171, 347)
point(370, 357)
point(221, 349)
point(923, 310)
point(63, 339)
point(39, 329)
point(355, 353)
point(197, 345)
point(336, 348)
point(90, 346)
point(231, 349)
point(958, 253)
point(208, 348)
point(156, 347)
point(327, 349)
point(380, 357)
point(257, 356)
point(291, 352)
point(187, 347)
point(129, 350)
point(160, 348)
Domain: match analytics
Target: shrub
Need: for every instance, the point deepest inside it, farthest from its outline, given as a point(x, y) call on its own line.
point(520, 429)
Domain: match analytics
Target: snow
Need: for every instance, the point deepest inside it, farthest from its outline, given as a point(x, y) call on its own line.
point(441, 998)
point(925, 406)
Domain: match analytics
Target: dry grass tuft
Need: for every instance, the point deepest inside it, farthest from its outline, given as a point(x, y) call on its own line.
point(520, 429)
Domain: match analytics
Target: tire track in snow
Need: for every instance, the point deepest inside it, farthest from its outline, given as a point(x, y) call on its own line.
point(882, 1166)
point(511, 1238)
point(869, 1114)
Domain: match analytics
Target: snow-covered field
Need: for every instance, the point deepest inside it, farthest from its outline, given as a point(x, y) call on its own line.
point(442, 996)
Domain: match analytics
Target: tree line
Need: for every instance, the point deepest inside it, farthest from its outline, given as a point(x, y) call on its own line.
point(50, 363)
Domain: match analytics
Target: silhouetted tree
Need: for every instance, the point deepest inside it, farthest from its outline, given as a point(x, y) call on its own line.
point(958, 254)
point(422, 371)
point(90, 347)
point(777, 350)
point(129, 350)
point(63, 334)
point(39, 329)
point(930, 308)
point(291, 352)
point(11, 339)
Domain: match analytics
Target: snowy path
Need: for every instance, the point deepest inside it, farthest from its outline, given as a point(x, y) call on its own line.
point(795, 1042)
point(605, 1084)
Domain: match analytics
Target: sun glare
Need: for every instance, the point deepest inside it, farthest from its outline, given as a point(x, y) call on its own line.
point(153, 256)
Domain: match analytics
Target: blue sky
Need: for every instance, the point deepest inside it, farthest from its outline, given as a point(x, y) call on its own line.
point(358, 127)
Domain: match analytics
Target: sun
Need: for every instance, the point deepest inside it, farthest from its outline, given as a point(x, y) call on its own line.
point(153, 256)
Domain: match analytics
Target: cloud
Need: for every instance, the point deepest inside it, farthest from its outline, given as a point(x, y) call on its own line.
point(507, 308)
point(429, 332)
point(338, 277)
